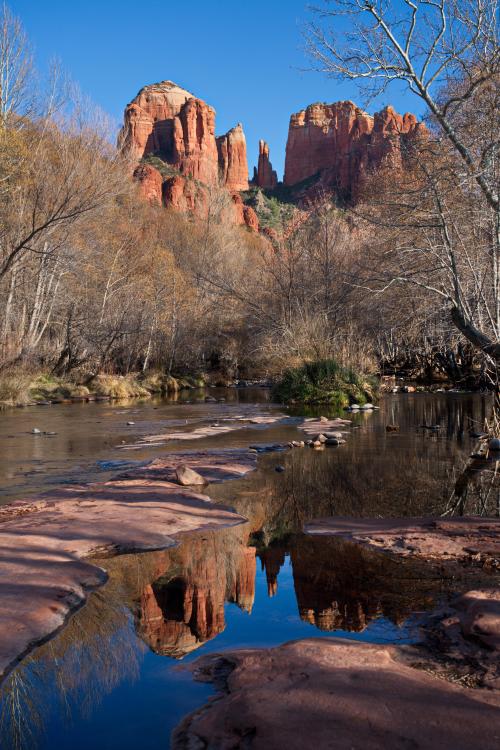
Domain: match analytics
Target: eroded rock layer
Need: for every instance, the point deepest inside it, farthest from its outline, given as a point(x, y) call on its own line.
point(341, 144)
point(169, 122)
point(334, 693)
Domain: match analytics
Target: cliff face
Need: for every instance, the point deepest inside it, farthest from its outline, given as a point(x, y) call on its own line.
point(333, 147)
point(341, 144)
point(232, 158)
point(265, 176)
point(171, 123)
point(149, 120)
point(183, 606)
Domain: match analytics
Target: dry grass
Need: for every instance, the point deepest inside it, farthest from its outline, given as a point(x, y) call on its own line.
point(14, 389)
point(118, 386)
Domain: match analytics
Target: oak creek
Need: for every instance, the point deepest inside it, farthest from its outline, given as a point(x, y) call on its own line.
point(114, 677)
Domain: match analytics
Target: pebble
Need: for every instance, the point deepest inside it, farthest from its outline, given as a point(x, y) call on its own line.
point(130, 423)
point(35, 431)
point(279, 468)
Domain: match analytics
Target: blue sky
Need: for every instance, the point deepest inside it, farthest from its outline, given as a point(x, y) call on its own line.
point(243, 58)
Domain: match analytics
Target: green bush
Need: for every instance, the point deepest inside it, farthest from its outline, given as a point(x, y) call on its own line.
point(324, 382)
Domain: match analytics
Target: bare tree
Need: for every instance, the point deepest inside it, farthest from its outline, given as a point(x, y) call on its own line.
point(447, 53)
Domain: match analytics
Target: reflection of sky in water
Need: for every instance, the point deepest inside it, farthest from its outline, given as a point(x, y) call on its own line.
point(134, 698)
point(140, 712)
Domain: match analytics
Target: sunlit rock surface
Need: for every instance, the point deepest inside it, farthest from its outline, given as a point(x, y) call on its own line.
point(340, 144)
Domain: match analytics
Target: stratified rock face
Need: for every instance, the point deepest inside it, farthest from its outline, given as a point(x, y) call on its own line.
point(265, 176)
point(194, 151)
point(149, 120)
point(171, 123)
point(342, 144)
point(168, 122)
point(244, 214)
point(183, 607)
point(232, 155)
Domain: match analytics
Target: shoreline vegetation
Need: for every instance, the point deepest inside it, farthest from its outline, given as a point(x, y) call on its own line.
point(18, 389)
point(325, 382)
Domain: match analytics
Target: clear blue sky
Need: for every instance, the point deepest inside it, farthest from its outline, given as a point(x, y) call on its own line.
point(243, 58)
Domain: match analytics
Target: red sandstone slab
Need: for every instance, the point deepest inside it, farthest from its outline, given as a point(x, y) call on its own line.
point(43, 542)
point(447, 538)
point(313, 427)
point(213, 465)
point(333, 693)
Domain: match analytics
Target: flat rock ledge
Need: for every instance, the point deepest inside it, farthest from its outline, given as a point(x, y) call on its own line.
point(220, 427)
point(44, 575)
point(327, 693)
point(464, 539)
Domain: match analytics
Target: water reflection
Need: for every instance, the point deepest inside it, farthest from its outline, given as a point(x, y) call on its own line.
point(110, 678)
point(162, 606)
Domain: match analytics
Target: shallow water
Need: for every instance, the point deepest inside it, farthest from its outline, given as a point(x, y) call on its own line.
point(115, 676)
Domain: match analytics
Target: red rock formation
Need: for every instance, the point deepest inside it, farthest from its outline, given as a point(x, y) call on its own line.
point(243, 592)
point(265, 176)
point(232, 154)
point(179, 129)
point(272, 559)
point(332, 693)
point(194, 151)
point(168, 121)
point(184, 195)
point(149, 120)
point(182, 606)
point(342, 144)
point(150, 181)
point(244, 214)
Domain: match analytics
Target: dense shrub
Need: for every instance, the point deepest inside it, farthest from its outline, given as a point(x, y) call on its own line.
point(324, 382)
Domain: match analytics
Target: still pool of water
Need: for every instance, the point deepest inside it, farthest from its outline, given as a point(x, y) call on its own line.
point(116, 676)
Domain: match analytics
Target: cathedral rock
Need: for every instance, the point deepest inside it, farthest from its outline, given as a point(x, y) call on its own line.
point(169, 123)
point(339, 144)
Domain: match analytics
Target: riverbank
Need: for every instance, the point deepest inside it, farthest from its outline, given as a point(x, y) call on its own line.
point(335, 693)
point(21, 389)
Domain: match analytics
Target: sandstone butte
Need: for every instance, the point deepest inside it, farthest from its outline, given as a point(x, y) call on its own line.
point(171, 124)
point(340, 144)
point(333, 147)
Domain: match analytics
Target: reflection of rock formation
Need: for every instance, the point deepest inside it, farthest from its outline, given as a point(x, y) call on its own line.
point(341, 586)
point(272, 558)
point(184, 605)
